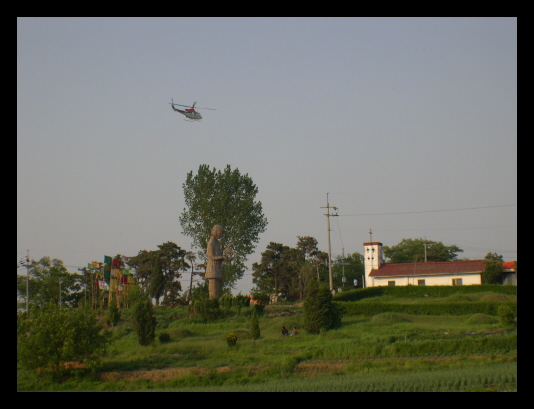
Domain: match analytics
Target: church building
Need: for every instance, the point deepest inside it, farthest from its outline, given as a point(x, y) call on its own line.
point(378, 273)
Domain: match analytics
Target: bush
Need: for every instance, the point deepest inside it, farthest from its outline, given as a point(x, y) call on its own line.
point(481, 319)
point(208, 309)
point(52, 337)
point(506, 315)
point(441, 308)
point(226, 301)
point(240, 301)
point(389, 318)
point(254, 325)
point(231, 339)
point(164, 337)
point(114, 314)
point(410, 291)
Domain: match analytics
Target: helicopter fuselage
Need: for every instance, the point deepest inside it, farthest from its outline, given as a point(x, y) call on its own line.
point(189, 113)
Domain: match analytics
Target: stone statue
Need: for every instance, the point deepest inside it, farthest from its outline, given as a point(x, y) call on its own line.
point(215, 260)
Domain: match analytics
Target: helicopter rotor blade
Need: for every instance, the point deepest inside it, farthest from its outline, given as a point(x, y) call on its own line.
point(211, 109)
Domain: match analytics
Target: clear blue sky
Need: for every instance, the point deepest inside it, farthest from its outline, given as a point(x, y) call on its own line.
point(395, 118)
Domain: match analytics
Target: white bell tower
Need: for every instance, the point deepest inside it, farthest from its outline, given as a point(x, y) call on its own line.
point(373, 258)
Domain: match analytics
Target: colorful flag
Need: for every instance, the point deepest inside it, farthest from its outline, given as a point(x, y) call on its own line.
point(115, 263)
point(126, 271)
point(103, 285)
point(113, 284)
point(107, 260)
point(107, 272)
point(90, 266)
point(125, 259)
point(95, 263)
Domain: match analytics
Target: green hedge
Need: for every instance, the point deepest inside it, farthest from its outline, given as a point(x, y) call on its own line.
point(438, 308)
point(423, 291)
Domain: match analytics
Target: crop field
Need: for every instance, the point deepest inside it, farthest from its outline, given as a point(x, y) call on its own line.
point(389, 351)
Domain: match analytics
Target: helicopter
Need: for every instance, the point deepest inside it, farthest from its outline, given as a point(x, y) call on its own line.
point(190, 113)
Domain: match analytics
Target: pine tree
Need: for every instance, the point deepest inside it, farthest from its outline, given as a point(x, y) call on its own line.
point(254, 325)
point(144, 321)
point(320, 313)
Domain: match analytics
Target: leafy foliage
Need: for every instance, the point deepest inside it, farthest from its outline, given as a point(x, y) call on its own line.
point(422, 291)
point(413, 251)
point(157, 281)
point(207, 308)
point(48, 279)
point(506, 314)
point(493, 265)
point(231, 339)
point(285, 270)
point(229, 199)
point(172, 261)
point(54, 336)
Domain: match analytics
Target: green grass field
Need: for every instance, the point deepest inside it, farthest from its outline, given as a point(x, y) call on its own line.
point(385, 352)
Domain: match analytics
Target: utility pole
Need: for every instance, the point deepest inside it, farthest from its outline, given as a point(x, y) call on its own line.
point(425, 249)
point(28, 263)
point(330, 278)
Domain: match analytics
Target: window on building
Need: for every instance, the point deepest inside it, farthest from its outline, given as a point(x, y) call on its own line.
point(421, 282)
point(392, 283)
point(457, 281)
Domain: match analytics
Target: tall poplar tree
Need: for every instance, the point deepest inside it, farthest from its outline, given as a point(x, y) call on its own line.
point(227, 198)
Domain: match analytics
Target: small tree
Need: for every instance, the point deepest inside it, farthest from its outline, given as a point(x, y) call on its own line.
point(144, 321)
point(493, 265)
point(320, 313)
point(54, 336)
point(254, 325)
point(114, 315)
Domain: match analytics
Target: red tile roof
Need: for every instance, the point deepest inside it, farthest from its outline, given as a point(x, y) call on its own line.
point(423, 269)
point(508, 265)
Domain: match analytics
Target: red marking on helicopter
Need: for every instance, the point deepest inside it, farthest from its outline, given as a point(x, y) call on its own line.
point(189, 113)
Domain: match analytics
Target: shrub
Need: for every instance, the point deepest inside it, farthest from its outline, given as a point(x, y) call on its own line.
point(240, 301)
point(254, 325)
point(389, 318)
point(208, 309)
point(231, 339)
point(164, 337)
point(226, 301)
point(410, 291)
point(481, 319)
point(53, 337)
point(114, 314)
point(506, 314)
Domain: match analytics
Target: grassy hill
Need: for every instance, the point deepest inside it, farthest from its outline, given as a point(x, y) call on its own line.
point(388, 351)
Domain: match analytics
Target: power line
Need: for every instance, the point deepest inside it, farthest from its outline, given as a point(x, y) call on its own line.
point(428, 211)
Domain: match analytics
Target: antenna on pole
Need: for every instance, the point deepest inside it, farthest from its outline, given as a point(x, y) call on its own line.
point(328, 207)
point(371, 233)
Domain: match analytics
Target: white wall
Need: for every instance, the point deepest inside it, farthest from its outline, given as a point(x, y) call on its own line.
point(467, 279)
